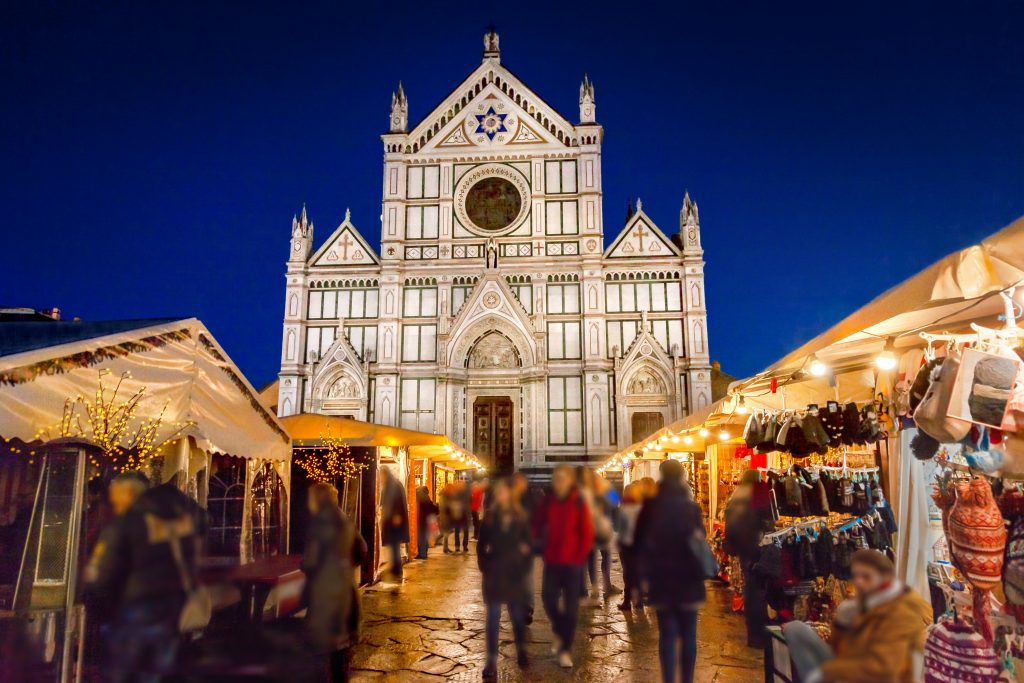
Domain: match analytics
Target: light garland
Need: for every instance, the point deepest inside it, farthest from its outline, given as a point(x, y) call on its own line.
point(331, 461)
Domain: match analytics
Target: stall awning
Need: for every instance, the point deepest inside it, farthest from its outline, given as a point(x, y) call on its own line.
point(184, 373)
point(308, 429)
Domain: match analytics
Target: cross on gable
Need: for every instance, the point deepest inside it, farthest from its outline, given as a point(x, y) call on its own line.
point(345, 243)
point(641, 234)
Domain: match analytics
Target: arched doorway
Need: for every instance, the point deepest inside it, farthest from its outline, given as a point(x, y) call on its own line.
point(493, 428)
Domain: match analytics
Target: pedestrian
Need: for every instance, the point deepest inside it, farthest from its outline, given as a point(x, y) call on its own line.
point(141, 572)
point(877, 636)
point(476, 504)
point(745, 525)
point(566, 534)
point(394, 518)
point(334, 548)
point(464, 495)
point(445, 524)
point(425, 509)
point(666, 528)
point(529, 499)
point(504, 554)
point(592, 487)
point(629, 511)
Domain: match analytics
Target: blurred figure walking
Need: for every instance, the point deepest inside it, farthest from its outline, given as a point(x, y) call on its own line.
point(565, 532)
point(505, 556)
point(665, 528)
point(141, 570)
point(629, 512)
point(478, 492)
point(745, 525)
point(333, 550)
point(425, 509)
point(394, 519)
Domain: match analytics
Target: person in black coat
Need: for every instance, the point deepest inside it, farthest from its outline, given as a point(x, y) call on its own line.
point(333, 550)
point(394, 518)
point(424, 509)
point(667, 524)
point(746, 521)
point(505, 556)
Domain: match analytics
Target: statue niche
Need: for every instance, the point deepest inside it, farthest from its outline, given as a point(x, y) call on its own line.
point(646, 382)
point(493, 350)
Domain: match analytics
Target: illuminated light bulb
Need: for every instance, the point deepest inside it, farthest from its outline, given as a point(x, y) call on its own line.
point(688, 439)
point(723, 435)
point(887, 360)
point(817, 367)
point(741, 406)
point(675, 438)
point(704, 433)
point(657, 446)
point(664, 437)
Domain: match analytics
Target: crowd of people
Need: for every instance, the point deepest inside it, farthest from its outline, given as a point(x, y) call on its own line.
point(142, 577)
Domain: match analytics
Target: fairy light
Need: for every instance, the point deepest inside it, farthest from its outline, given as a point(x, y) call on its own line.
point(688, 440)
point(704, 433)
point(675, 438)
point(330, 461)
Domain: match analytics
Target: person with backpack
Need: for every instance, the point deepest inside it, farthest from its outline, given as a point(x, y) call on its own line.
point(669, 525)
point(565, 532)
point(746, 520)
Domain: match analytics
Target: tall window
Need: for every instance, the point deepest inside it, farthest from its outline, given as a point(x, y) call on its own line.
point(613, 428)
point(417, 404)
point(563, 298)
point(635, 292)
point(522, 287)
point(422, 182)
point(621, 334)
point(565, 411)
point(363, 339)
point(564, 341)
point(668, 333)
point(561, 218)
point(318, 340)
point(462, 285)
point(419, 343)
point(421, 222)
point(359, 299)
point(419, 302)
point(560, 177)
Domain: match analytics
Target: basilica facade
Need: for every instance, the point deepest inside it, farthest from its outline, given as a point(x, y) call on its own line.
point(494, 312)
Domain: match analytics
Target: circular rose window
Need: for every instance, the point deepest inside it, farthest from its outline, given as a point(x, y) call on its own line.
point(491, 199)
point(493, 203)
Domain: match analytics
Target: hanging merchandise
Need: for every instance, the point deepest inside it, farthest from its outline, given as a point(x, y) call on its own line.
point(931, 415)
point(977, 538)
point(982, 388)
point(954, 653)
point(1013, 419)
point(1011, 503)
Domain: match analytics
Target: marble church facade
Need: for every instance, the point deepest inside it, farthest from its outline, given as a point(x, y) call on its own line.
point(493, 311)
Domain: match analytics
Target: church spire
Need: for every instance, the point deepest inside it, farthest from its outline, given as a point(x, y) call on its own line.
point(302, 236)
point(491, 50)
point(689, 225)
point(399, 111)
point(588, 105)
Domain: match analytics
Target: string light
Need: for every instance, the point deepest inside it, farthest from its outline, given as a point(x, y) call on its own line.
point(817, 367)
point(741, 406)
point(331, 461)
point(723, 435)
point(704, 433)
point(688, 440)
point(886, 360)
point(675, 438)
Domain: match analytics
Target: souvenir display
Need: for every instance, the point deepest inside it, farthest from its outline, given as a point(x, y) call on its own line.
point(955, 653)
point(983, 384)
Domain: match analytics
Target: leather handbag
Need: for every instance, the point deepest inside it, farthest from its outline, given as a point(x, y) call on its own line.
point(931, 415)
point(198, 609)
point(702, 551)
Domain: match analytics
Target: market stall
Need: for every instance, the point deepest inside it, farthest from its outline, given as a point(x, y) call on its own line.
point(415, 458)
point(81, 401)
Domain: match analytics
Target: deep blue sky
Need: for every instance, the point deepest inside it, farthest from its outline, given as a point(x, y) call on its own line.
point(153, 153)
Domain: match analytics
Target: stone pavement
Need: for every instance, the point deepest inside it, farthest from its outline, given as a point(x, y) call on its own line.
point(433, 630)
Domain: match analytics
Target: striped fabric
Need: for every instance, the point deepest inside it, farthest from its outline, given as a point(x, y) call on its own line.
point(955, 653)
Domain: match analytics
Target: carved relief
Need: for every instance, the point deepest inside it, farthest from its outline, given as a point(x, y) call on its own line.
point(494, 351)
point(345, 387)
point(646, 382)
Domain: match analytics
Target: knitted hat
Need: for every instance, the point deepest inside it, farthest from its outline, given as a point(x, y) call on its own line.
point(954, 653)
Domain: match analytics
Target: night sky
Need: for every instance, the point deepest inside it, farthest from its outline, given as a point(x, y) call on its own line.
point(154, 152)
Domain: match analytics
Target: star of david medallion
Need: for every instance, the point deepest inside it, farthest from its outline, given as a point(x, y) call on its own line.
point(491, 123)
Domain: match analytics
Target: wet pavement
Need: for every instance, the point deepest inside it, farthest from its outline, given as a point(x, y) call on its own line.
point(433, 630)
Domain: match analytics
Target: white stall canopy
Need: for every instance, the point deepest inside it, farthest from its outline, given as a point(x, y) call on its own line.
point(181, 368)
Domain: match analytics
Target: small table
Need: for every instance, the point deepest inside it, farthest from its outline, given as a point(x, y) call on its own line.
point(256, 580)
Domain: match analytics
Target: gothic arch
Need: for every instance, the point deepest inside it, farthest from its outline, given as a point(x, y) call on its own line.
point(493, 350)
point(465, 339)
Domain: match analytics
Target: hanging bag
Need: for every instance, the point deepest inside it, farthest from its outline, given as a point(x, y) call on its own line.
point(195, 614)
point(702, 552)
point(931, 415)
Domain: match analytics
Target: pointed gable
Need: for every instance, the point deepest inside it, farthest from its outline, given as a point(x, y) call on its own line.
point(345, 247)
point(491, 106)
point(641, 238)
point(492, 305)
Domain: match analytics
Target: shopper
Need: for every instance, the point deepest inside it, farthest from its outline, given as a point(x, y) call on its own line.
point(394, 518)
point(477, 494)
point(333, 550)
point(140, 573)
point(505, 555)
point(666, 529)
point(529, 499)
point(425, 509)
point(629, 511)
point(464, 494)
point(745, 524)
point(877, 636)
point(565, 532)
